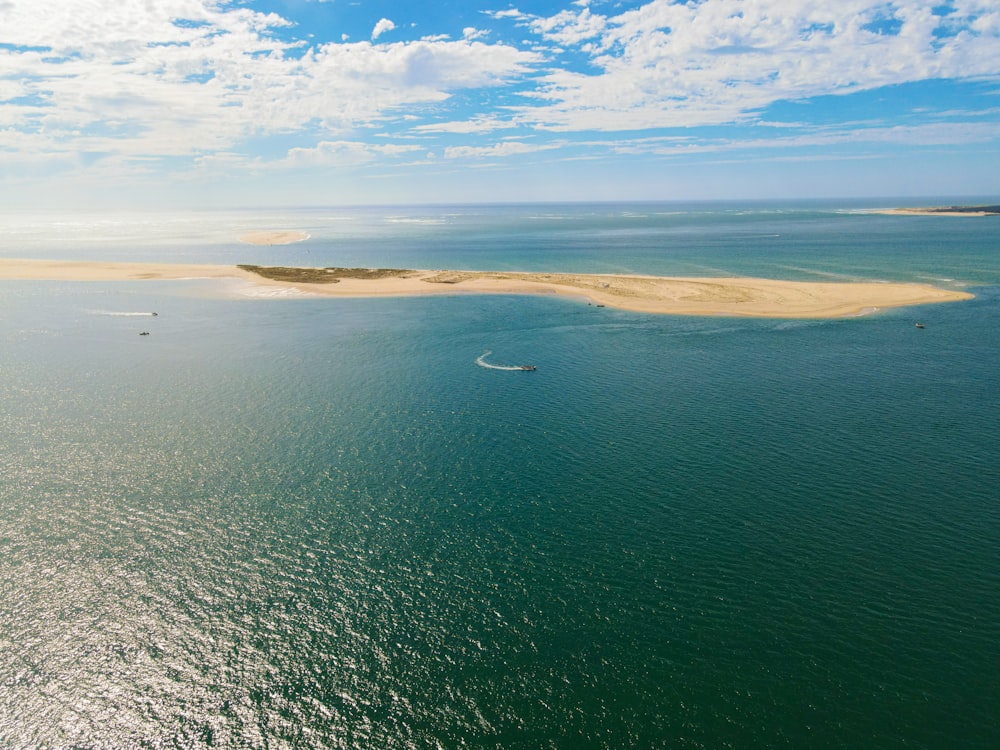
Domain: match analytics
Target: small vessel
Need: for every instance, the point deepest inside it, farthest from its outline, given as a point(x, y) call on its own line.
point(919, 325)
point(144, 333)
point(481, 361)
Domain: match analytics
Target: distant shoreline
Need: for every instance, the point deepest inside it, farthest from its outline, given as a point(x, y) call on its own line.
point(730, 297)
point(943, 211)
point(274, 237)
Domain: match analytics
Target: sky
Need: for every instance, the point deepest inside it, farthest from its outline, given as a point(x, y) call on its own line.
point(247, 103)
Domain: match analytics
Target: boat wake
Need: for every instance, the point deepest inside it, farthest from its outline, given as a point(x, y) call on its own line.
point(481, 361)
point(124, 314)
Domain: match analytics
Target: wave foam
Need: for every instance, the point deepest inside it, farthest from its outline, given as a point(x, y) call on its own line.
point(481, 361)
point(116, 314)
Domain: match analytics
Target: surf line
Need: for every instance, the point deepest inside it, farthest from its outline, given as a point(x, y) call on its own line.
point(481, 361)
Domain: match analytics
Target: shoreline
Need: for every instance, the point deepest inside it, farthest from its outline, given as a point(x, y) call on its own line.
point(697, 296)
point(962, 211)
point(274, 237)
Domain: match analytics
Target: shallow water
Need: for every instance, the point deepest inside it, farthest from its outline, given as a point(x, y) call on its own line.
point(318, 523)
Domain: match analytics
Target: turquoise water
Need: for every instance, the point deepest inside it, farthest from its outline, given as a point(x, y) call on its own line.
point(318, 523)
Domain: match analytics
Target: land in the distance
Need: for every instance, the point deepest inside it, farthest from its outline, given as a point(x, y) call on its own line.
point(274, 237)
point(945, 211)
point(746, 297)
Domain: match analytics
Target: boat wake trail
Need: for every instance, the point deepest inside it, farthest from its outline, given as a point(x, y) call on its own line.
point(481, 361)
point(124, 314)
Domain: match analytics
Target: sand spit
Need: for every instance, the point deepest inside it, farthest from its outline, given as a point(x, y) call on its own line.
point(82, 270)
point(747, 297)
point(273, 237)
point(944, 211)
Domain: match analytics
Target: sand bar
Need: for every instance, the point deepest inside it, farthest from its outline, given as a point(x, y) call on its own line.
point(943, 211)
point(81, 270)
point(274, 237)
point(748, 297)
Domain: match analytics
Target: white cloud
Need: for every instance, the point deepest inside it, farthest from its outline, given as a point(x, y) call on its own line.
point(471, 32)
point(191, 77)
point(471, 125)
point(509, 13)
point(342, 153)
point(876, 137)
point(381, 27)
point(570, 27)
point(502, 149)
point(669, 64)
point(119, 82)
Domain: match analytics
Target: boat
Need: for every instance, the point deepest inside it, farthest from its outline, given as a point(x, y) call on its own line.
point(919, 325)
point(144, 333)
point(528, 367)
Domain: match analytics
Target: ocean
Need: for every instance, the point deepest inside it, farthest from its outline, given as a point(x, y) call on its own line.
point(319, 523)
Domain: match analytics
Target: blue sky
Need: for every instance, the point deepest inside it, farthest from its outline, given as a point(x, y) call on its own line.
point(290, 102)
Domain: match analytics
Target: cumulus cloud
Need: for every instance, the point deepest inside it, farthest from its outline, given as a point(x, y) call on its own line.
point(570, 27)
point(471, 125)
point(381, 27)
point(471, 32)
point(191, 77)
point(502, 149)
point(668, 64)
point(343, 153)
point(125, 81)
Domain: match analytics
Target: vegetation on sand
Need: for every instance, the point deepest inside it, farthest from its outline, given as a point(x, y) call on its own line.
point(330, 275)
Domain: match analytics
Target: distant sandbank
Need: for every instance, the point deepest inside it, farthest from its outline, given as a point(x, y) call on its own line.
point(274, 237)
point(746, 297)
point(943, 211)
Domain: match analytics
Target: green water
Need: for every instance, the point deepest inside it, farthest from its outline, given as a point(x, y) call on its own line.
point(319, 524)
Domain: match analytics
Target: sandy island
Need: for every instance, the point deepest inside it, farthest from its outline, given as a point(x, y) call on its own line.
point(943, 211)
point(748, 297)
point(274, 237)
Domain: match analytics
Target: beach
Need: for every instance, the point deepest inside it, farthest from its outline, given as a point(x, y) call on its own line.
point(75, 270)
point(737, 296)
point(966, 211)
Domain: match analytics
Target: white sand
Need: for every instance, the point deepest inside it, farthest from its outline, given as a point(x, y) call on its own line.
point(274, 237)
point(750, 297)
point(930, 212)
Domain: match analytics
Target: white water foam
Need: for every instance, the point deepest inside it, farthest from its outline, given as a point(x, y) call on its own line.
point(116, 314)
point(481, 361)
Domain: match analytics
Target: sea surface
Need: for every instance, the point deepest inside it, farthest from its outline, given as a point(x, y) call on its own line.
point(320, 523)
